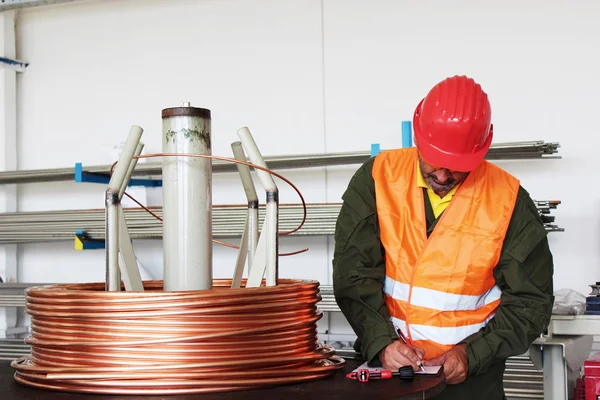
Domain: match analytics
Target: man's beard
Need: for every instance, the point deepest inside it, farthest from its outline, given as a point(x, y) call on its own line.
point(440, 187)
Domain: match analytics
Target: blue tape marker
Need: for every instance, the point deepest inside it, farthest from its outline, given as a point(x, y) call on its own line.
point(375, 149)
point(406, 134)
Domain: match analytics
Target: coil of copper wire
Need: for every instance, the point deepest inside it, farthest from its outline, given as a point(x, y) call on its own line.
point(88, 340)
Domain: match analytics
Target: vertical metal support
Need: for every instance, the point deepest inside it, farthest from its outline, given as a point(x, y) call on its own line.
point(561, 359)
point(113, 275)
point(250, 233)
point(270, 232)
point(8, 159)
point(130, 273)
point(112, 204)
point(238, 272)
point(251, 196)
point(129, 172)
point(187, 199)
point(555, 373)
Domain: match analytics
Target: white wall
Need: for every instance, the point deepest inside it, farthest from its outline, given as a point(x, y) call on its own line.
point(307, 76)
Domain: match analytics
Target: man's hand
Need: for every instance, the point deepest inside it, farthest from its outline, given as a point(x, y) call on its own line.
point(455, 362)
point(398, 355)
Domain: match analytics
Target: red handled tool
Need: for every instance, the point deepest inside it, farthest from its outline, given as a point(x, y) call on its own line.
point(405, 373)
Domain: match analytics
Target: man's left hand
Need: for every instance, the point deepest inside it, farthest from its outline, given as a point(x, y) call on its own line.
point(455, 362)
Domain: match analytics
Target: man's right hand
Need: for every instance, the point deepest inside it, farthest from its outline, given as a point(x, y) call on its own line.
point(397, 355)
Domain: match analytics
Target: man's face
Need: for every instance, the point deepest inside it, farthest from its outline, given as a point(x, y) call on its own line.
point(441, 180)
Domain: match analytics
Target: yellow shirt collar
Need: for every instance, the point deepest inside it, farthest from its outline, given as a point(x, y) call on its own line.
point(421, 183)
point(437, 203)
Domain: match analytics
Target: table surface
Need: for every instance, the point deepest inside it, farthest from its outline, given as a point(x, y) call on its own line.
point(336, 387)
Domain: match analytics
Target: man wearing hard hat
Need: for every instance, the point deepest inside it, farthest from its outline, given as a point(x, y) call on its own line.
point(445, 247)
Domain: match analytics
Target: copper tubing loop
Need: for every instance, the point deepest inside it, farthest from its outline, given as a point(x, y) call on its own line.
point(86, 340)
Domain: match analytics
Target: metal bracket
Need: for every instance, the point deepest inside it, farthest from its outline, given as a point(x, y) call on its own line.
point(84, 242)
point(82, 176)
point(14, 65)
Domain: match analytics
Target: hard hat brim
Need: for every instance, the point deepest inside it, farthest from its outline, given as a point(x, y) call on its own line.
point(456, 162)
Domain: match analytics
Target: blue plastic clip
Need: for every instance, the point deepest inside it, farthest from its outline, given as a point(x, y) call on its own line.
point(406, 134)
point(375, 149)
point(84, 242)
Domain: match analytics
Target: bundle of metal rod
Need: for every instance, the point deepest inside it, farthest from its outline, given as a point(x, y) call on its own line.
point(228, 221)
point(13, 294)
point(12, 300)
point(499, 151)
point(12, 349)
point(88, 340)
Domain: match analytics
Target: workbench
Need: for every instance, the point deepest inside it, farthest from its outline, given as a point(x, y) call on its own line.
point(336, 387)
point(561, 352)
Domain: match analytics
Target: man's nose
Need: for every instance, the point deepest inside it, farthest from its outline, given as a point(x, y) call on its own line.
point(442, 175)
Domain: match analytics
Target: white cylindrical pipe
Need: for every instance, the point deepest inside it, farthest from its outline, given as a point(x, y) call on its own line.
point(272, 229)
point(120, 171)
point(132, 165)
point(251, 196)
point(113, 274)
point(187, 199)
point(271, 226)
point(256, 158)
point(112, 204)
point(252, 233)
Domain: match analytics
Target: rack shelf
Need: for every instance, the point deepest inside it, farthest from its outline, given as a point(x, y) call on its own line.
point(500, 151)
point(228, 221)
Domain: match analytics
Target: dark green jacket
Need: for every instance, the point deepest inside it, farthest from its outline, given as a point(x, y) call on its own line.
point(524, 273)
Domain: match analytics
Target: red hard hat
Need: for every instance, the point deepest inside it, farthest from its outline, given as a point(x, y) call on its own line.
point(453, 126)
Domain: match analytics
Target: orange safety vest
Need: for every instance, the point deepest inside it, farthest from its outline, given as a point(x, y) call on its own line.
point(441, 289)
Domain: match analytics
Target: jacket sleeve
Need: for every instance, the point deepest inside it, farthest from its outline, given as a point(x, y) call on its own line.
point(524, 273)
point(359, 266)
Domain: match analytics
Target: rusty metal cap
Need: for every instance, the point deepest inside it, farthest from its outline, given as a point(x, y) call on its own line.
point(186, 111)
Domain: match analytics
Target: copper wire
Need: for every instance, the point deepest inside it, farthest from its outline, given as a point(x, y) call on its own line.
point(229, 160)
point(87, 340)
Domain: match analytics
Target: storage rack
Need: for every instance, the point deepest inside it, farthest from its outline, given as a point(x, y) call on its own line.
point(228, 221)
point(530, 150)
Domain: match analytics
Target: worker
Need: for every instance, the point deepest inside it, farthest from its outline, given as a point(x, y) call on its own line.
point(446, 247)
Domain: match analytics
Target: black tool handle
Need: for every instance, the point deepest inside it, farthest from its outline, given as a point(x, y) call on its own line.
point(406, 373)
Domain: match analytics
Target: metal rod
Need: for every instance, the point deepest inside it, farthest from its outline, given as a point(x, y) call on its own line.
point(251, 196)
point(271, 224)
point(228, 222)
point(113, 274)
point(123, 165)
point(238, 271)
point(187, 199)
point(112, 204)
point(130, 170)
point(533, 150)
point(130, 273)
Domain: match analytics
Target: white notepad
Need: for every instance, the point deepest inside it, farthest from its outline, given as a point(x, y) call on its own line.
point(429, 369)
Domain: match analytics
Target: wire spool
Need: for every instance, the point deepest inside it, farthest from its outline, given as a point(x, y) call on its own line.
point(84, 339)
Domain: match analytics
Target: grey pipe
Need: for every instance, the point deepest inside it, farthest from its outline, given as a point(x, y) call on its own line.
point(251, 196)
point(498, 151)
point(112, 205)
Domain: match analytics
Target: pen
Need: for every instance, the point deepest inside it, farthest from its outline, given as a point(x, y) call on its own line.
point(401, 336)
